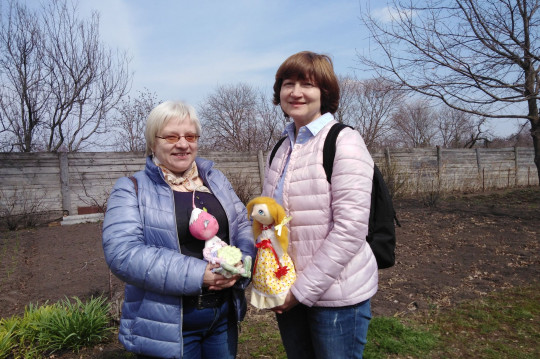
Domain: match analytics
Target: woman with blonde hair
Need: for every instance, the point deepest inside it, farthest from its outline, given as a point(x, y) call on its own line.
point(175, 304)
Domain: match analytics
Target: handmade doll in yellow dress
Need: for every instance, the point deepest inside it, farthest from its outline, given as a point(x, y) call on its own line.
point(273, 271)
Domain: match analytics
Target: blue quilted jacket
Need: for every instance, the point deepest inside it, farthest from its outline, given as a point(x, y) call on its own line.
point(141, 247)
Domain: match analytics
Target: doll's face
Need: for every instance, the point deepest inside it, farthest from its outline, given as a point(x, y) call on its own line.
point(261, 213)
point(202, 225)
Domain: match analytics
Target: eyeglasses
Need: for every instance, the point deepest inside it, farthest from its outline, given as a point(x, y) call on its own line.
point(174, 138)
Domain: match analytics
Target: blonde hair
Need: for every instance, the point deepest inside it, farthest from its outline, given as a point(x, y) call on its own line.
point(162, 113)
point(278, 214)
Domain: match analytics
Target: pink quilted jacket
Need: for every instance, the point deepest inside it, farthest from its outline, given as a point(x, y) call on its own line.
point(334, 263)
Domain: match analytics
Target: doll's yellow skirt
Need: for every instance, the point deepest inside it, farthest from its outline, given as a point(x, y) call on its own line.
point(268, 290)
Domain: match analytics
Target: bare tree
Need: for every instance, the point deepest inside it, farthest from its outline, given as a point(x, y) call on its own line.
point(458, 129)
point(271, 122)
point(58, 81)
point(368, 106)
point(239, 118)
point(130, 121)
point(228, 118)
point(348, 95)
point(478, 134)
point(520, 138)
point(22, 90)
point(414, 124)
point(480, 57)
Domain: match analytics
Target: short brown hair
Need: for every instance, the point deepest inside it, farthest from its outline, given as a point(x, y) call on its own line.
point(307, 65)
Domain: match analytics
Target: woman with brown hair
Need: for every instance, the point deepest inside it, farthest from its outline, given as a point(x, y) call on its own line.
point(327, 310)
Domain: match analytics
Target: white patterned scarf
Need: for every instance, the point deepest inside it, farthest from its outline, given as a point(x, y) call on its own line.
point(188, 182)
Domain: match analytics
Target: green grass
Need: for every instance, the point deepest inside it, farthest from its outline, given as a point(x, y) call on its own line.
point(502, 325)
point(10, 259)
point(65, 325)
point(505, 324)
point(75, 325)
point(8, 340)
point(259, 337)
point(388, 335)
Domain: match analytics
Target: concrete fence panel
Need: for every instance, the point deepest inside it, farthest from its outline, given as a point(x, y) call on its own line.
point(73, 182)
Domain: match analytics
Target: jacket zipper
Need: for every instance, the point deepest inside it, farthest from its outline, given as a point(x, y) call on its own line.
point(171, 194)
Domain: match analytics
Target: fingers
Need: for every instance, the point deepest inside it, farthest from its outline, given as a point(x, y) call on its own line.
point(216, 281)
point(290, 302)
point(280, 309)
point(224, 283)
point(209, 277)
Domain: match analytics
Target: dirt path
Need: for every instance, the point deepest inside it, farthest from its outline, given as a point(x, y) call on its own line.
point(464, 248)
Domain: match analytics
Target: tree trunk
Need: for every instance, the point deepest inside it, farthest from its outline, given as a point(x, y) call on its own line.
point(531, 84)
point(535, 133)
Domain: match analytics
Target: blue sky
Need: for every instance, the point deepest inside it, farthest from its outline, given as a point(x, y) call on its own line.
point(183, 50)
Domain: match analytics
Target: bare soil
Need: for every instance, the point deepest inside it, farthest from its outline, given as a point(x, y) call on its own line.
point(465, 247)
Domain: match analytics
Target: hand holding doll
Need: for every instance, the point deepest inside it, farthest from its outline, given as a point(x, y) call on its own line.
point(204, 226)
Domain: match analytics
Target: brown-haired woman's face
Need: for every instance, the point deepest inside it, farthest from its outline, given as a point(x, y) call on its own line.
point(301, 100)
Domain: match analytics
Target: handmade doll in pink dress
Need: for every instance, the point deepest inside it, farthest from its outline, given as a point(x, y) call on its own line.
point(204, 226)
point(273, 270)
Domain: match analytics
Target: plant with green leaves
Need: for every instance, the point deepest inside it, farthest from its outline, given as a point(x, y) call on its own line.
point(8, 339)
point(74, 325)
point(65, 325)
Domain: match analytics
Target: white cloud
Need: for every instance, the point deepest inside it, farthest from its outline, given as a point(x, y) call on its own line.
point(390, 14)
point(185, 49)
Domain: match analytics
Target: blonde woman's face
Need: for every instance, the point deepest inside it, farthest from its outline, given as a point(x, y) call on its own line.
point(179, 156)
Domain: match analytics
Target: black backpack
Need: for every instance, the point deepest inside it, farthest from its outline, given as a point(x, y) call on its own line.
point(382, 216)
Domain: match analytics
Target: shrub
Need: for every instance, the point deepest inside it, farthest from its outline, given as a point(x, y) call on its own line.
point(8, 339)
point(245, 187)
point(396, 181)
point(20, 207)
point(74, 325)
point(66, 325)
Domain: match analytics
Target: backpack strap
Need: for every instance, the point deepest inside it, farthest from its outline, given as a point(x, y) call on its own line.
point(329, 149)
point(382, 216)
point(329, 152)
point(274, 150)
point(134, 180)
